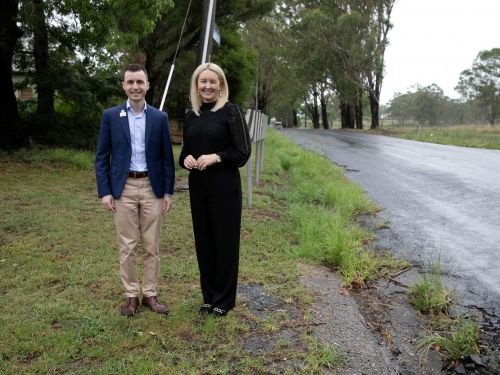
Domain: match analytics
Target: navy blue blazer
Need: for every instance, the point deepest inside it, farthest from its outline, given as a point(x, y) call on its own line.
point(114, 152)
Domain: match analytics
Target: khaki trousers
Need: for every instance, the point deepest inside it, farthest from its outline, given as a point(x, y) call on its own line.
point(138, 218)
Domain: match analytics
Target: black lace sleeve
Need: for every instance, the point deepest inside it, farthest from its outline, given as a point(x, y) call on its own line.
point(240, 148)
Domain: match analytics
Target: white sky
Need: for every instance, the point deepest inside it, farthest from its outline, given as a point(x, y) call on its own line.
point(433, 41)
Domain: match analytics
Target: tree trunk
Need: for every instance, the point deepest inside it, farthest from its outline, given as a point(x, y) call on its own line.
point(295, 119)
point(43, 75)
point(374, 108)
point(9, 33)
point(493, 112)
point(346, 115)
point(263, 97)
point(315, 111)
point(324, 114)
point(358, 111)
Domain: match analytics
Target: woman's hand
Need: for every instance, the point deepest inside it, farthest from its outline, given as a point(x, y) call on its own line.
point(190, 162)
point(205, 161)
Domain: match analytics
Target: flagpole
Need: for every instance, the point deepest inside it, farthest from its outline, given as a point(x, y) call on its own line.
point(207, 30)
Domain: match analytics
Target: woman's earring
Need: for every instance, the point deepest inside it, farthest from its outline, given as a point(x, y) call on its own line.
point(220, 92)
point(199, 93)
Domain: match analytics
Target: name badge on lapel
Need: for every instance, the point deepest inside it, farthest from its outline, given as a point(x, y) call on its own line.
point(122, 113)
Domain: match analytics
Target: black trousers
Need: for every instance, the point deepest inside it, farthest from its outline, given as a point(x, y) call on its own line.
point(216, 202)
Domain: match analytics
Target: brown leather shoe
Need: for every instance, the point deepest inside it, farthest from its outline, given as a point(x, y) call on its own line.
point(130, 308)
point(155, 305)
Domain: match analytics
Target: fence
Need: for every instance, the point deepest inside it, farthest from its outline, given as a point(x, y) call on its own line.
point(257, 125)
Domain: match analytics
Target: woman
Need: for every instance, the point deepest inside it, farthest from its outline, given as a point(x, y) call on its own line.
point(215, 144)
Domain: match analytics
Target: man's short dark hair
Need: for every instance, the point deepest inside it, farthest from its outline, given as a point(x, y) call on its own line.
point(134, 68)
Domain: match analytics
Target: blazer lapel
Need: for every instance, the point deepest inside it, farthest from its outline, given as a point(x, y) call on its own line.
point(124, 122)
point(149, 125)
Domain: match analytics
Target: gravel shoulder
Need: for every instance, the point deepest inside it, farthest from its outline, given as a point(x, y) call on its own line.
point(373, 343)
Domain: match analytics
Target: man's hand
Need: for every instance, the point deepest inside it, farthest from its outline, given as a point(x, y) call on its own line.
point(167, 204)
point(108, 202)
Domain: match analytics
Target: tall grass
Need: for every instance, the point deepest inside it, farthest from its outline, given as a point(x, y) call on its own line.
point(323, 206)
point(53, 156)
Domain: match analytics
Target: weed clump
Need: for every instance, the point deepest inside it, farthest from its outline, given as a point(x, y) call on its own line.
point(457, 341)
point(429, 296)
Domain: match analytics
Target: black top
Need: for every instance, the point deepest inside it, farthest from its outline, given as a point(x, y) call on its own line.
point(223, 132)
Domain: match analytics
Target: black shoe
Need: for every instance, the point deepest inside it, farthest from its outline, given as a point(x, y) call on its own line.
point(218, 312)
point(206, 308)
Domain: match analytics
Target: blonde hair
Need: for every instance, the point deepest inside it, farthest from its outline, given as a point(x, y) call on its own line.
point(195, 99)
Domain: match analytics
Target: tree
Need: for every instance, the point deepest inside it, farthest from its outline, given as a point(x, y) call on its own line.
point(482, 82)
point(159, 46)
point(399, 107)
point(9, 33)
point(68, 44)
point(57, 30)
point(378, 12)
point(426, 104)
point(352, 37)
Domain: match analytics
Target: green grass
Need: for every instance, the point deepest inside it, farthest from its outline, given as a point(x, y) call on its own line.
point(481, 136)
point(428, 295)
point(60, 288)
point(454, 338)
point(321, 204)
point(456, 341)
point(54, 157)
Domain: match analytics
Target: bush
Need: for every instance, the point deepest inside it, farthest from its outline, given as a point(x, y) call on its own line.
point(76, 130)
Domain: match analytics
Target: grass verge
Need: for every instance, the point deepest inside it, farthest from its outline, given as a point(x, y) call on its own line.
point(320, 206)
point(59, 278)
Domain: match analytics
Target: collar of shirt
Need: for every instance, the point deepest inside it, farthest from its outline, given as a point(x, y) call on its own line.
point(129, 107)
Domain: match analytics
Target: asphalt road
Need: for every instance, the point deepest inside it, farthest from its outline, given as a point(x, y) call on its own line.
point(442, 203)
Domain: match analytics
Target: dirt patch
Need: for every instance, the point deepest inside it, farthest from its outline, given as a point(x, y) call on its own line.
point(274, 329)
point(181, 184)
point(263, 215)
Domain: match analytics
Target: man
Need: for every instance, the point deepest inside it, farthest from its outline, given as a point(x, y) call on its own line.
point(135, 180)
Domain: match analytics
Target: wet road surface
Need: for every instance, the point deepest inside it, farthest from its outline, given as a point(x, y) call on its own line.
point(442, 203)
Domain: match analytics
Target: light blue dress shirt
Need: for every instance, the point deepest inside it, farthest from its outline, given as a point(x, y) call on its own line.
point(137, 125)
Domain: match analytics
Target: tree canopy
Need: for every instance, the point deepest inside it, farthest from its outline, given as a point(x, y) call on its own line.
point(482, 82)
point(429, 106)
point(293, 59)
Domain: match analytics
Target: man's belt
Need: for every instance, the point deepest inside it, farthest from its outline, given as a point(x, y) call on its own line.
point(135, 174)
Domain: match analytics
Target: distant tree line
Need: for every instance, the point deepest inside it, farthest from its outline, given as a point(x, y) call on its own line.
point(312, 55)
point(480, 102)
point(296, 60)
